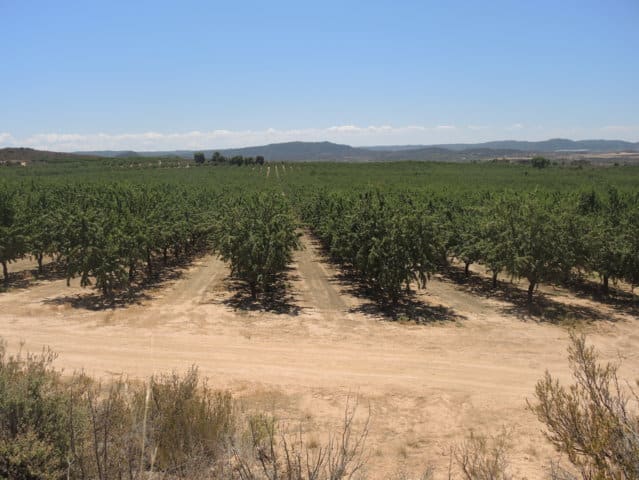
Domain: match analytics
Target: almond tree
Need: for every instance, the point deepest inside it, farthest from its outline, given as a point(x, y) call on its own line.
point(631, 263)
point(466, 223)
point(390, 242)
point(533, 244)
point(606, 238)
point(257, 236)
point(12, 239)
point(42, 220)
point(94, 252)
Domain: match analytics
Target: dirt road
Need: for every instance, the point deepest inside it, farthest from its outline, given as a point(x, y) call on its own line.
point(427, 384)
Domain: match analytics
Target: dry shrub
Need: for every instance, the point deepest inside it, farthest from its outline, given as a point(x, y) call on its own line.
point(172, 427)
point(278, 454)
point(76, 428)
point(32, 417)
point(190, 425)
point(426, 474)
point(483, 457)
point(594, 421)
point(175, 425)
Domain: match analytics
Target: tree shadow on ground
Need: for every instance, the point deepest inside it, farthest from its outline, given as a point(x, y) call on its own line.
point(409, 307)
point(620, 300)
point(542, 309)
point(17, 280)
point(31, 276)
point(50, 271)
point(277, 300)
point(95, 301)
point(137, 293)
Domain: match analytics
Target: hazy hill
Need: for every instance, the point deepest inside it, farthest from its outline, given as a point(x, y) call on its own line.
point(545, 146)
point(289, 151)
point(30, 155)
point(313, 151)
point(328, 151)
point(439, 154)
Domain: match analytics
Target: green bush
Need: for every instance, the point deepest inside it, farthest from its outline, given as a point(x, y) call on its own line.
point(26, 457)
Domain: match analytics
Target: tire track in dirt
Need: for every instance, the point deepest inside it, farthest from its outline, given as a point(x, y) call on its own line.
point(426, 384)
point(179, 305)
point(191, 289)
point(315, 281)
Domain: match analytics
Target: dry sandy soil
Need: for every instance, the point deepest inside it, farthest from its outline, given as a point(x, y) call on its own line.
point(470, 364)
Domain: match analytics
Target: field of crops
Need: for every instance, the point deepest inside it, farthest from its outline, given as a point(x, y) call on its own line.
point(392, 225)
point(437, 293)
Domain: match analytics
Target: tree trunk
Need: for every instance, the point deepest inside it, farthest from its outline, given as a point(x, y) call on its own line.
point(149, 266)
point(5, 273)
point(253, 288)
point(531, 290)
point(165, 254)
point(605, 286)
point(466, 268)
point(495, 279)
point(131, 272)
point(394, 303)
point(39, 257)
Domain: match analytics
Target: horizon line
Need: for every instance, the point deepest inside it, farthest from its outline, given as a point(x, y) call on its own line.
point(362, 146)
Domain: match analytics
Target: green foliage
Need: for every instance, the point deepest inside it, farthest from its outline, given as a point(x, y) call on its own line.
point(26, 457)
point(608, 238)
point(631, 240)
point(257, 235)
point(389, 241)
point(534, 245)
point(12, 239)
point(465, 234)
point(116, 223)
point(540, 162)
point(105, 234)
point(41, 219)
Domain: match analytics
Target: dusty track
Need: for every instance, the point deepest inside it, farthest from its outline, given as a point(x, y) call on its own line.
point(427, 384)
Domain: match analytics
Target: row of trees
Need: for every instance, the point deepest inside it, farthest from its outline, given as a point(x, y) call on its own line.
point(115, 235)
point(393, 239)
point(110, 235)
point(118, 235)
point(257, 234)
point(217, 158)
point(389, 242)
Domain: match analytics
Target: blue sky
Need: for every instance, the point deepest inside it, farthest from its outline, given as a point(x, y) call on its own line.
point(162, 75)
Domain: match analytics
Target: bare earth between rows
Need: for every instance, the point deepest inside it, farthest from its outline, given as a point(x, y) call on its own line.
point(427, 384)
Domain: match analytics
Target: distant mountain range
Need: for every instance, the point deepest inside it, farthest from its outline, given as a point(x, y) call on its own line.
point(553, 145)
point(327, 151)
point(30, 155)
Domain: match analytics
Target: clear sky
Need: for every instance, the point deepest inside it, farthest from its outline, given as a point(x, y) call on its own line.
point(203, 74)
